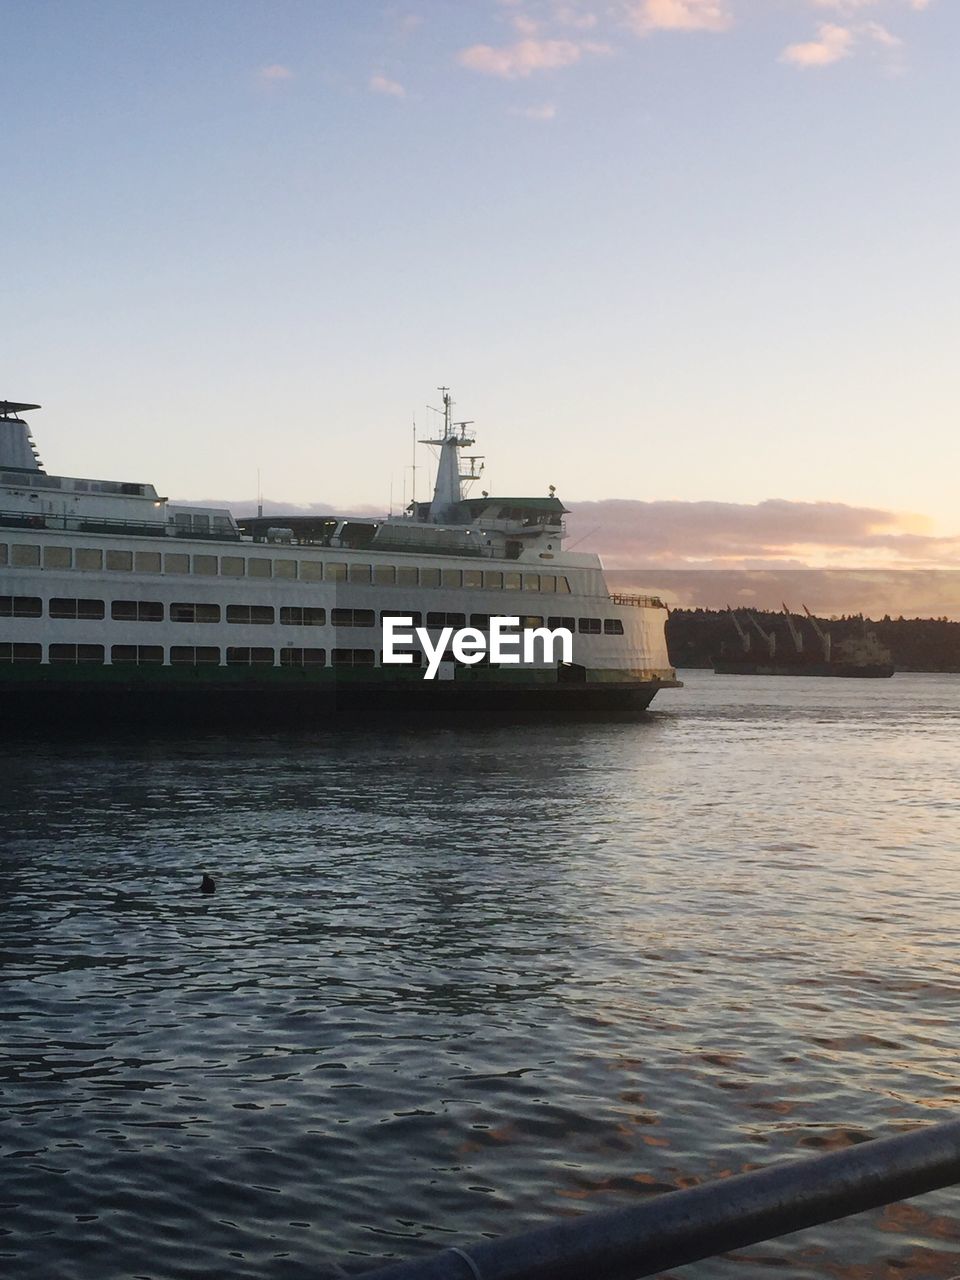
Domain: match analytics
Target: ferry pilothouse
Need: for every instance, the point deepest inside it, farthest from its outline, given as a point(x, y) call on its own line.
point(115, 603)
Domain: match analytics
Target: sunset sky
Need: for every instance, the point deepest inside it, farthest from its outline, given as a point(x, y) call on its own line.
point(694, 262)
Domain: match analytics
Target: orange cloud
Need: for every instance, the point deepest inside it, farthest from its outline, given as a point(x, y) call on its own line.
point(381, 84)
point(274, 73)
point(513, 61)
point(834, 43)
point(678, 15)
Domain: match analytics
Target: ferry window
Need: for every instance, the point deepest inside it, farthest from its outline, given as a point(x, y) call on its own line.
point(303, 657)
point(259, 568)
point(120, 561)
point(21, 653)
point(175, 562)
point(187, 655)
point(24, 555)
point(531, 582)
point(563, 586)
point(360, 572)
point(406, 577)
point(61, 607)
point(312, 571)
point(415, 654)
point(141, 654)
point(295, 616)
point(201, 524)
point(353, 657)
point(493, 579)
point(136, 611)
point(352, 617)
point(249, 657)
point(511, 581)
point(231, 566)
point(74, 653)
point(415, 617)
point(258, 614)
point(530, 620)
point(57, 557)
point(472, 578)
point(569, 624)
point(384, 575)
point(612, 627)
point(189, 612)
point(548, 582)
point(480, 621)
point(285, 568)
point(589, 626)
point(451, 577)
point(3, 553)
point(435, 620)
point(147, 561)
point(21, 607)
point(429, 577)
point(88, 558)
point(207, 565)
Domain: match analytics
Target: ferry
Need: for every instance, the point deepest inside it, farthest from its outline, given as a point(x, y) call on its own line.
point(117, 604)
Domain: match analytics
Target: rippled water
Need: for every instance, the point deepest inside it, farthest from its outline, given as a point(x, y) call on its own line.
point(462, 982)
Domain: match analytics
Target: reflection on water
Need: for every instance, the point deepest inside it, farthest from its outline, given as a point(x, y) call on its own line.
point(463, 982)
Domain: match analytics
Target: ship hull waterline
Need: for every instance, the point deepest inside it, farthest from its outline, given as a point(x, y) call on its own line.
point(110, 697)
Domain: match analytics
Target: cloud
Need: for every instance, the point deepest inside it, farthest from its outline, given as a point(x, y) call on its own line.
point(677, 15)
point(849, 6)
point(736, 535)
point(882, 36)
point(544, 112)
point(381, 84)
point(568, 16)
point(511, 62)
point(274, 74)
point(525, 25)
point(833, 43)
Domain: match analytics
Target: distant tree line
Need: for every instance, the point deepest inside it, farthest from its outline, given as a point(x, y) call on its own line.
point(696, 637)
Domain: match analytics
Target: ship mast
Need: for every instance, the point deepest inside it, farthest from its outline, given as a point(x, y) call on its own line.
point(447, 492)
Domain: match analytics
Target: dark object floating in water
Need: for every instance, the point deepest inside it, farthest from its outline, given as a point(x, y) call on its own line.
point(207, 884)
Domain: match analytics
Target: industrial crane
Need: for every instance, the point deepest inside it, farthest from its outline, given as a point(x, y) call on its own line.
point(795, 633)
point(824, 635)
point(744, 635)
point(769, 638)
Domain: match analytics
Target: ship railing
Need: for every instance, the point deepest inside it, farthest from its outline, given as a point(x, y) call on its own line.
point(668, 1231)
point(558, 528)
point(107, 524)
point(637, 602)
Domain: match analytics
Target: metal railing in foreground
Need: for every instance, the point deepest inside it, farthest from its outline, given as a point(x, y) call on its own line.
point(685, 1226)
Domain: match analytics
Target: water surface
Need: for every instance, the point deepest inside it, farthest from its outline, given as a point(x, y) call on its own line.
point(457, 983)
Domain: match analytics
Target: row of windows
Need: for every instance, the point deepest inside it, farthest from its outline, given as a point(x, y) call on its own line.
point(30, 555)
point(264, 614)
point(144, 655)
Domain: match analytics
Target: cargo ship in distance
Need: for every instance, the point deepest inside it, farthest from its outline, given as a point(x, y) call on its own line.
point(860, 658)
point(116, 603)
